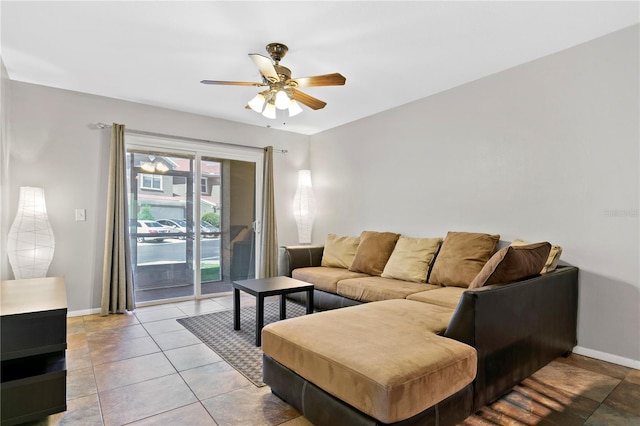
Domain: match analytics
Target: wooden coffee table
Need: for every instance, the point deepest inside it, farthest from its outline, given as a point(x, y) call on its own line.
point(264, 287)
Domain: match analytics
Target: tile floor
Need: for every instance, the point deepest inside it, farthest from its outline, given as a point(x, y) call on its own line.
point(146, 369)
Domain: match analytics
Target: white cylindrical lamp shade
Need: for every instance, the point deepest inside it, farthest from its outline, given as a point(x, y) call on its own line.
point(282, 100)
point(294, 108)
point(30, 243)
point(269, 111)
point(304, 207)
point(257, 103)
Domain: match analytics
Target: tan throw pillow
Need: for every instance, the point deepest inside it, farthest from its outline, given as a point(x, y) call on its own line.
point(339, 251)
point(461, 257)
point(552, 261)
point(411, 259)
point(373, 252)
point(513, 263)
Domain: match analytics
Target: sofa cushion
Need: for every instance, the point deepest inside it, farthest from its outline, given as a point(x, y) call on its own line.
point(324, 278)
point(373, 252)
point(339, 251)
point(441, 296)
point(371, 289)
point(512, 264)
point(382, 357)
point(461, 257)
point(411, 259)
point(552, 261)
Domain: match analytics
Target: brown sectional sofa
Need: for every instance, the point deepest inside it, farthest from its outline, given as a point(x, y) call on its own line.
point(414, 353)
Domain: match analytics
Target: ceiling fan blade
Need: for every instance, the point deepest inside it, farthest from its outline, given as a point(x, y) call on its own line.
point(335, 79)
point(265, 66)
point(307, 100)
point(233, 83)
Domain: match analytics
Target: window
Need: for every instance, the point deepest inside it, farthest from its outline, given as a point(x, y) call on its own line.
point(203, 186)
point(151, 182)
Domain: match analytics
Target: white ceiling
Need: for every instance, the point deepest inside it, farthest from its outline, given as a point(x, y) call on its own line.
point(391, 53)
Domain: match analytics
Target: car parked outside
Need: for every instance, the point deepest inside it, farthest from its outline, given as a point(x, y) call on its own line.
point(177, 226)
point(208, 230)
point(152, 227)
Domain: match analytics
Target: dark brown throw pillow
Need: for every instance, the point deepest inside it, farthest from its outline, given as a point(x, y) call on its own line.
point(513, 263)
point(461, 257)
point(373, 252)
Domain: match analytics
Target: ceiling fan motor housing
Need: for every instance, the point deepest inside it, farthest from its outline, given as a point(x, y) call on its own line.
point(277, 51)
point(283, 72)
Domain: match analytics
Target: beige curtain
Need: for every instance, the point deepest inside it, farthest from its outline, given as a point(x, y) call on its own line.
point(117, 276)
point(269, 232)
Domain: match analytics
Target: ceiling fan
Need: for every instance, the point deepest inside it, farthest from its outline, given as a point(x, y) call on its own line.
point(282, 92)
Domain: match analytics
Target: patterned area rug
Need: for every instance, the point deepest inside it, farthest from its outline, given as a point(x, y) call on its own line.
point(237, 347)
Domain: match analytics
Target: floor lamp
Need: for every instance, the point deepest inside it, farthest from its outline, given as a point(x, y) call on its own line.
point(304, 207)
point(30, 243)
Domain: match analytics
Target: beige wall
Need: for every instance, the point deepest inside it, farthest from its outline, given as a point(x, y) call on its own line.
point(548, 150)
point(52, 145)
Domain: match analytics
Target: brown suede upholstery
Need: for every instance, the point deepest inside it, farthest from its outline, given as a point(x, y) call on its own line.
point(512, 264)
point(448, 297)
point(552, 261)
point(324, 278)
point(382, 358)
point(461, 257)
point(411, 259)
point(371, 289)
point(373, 252)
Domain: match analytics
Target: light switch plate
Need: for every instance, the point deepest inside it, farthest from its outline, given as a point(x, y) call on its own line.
point(81, 215)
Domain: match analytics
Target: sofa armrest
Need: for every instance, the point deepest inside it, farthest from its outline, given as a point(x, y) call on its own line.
point(292, 257)
point(517, 328)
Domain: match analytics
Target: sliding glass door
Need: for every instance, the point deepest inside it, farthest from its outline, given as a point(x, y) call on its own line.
point(162, 236)
point(228, 214)
point(192, 215)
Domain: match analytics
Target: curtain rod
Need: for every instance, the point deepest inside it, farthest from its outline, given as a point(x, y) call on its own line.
point(187, 139)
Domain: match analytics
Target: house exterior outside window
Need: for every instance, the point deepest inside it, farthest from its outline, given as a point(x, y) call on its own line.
point(203, 186)
point(151, 182)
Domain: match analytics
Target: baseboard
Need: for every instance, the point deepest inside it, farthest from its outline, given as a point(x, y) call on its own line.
point(83, 312)
point(615, 359)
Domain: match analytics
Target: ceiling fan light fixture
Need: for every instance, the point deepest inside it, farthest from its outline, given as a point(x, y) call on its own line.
point(148, 167)
point(294, 108)
point(161, 167)
point(269, 111)
point(257, 103)
point(282, 100)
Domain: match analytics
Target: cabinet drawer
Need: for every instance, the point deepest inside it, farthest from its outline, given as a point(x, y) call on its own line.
point(33, 333)
point(33, 397)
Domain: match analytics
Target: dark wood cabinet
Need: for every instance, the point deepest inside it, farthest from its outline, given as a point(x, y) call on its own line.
point(33, 334)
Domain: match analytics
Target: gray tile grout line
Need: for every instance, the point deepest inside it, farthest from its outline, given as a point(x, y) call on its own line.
point(93, 372)
point(200, 401)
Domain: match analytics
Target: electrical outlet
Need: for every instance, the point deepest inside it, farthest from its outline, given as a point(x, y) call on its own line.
point(81, 215)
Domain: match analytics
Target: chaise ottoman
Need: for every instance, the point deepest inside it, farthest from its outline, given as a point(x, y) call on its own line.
point(385, 359)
